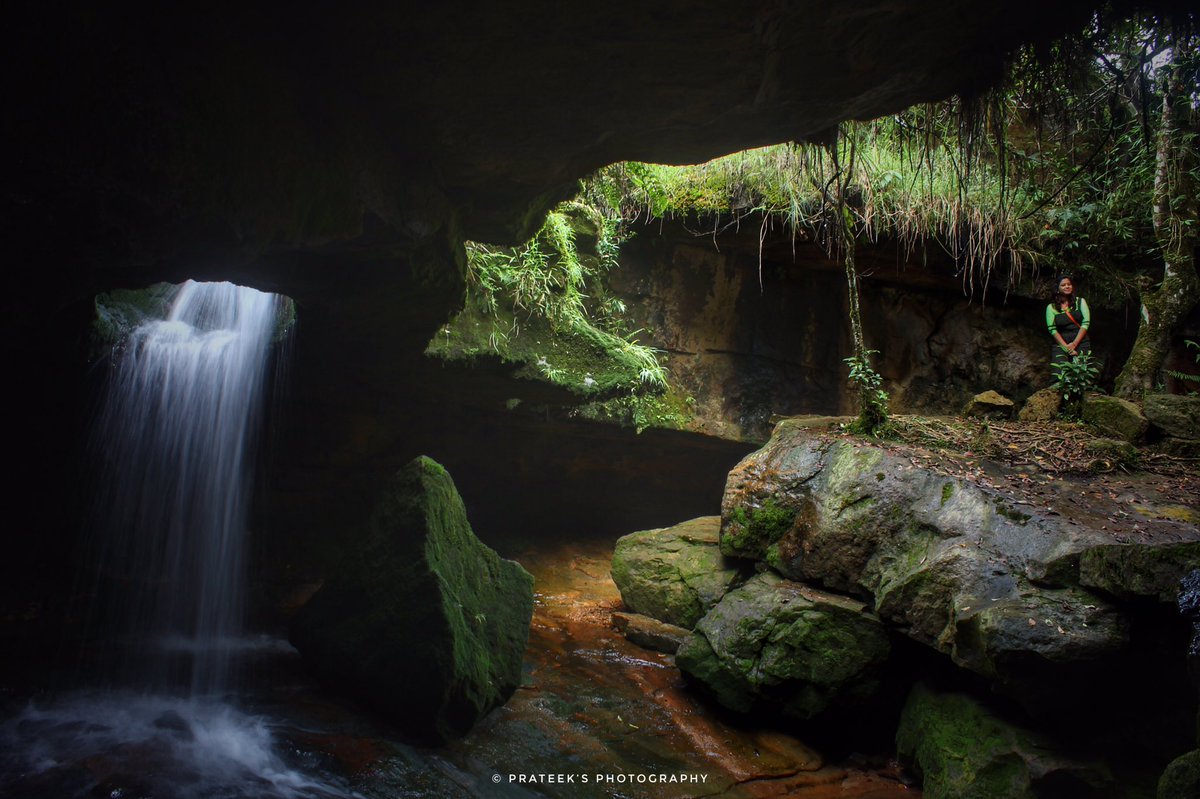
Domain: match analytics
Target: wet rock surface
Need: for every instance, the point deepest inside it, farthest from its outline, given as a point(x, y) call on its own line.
point(965, 751)
point(590, 704)
point(674, 574)
point(1029, 596)
point(781, 643)
point(423, 621)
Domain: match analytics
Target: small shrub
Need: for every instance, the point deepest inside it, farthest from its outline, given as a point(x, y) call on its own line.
point(1075, 377)
point(872, 399)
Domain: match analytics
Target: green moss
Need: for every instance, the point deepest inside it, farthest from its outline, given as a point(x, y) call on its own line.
point(947, 492)
point(120, 311)
point(1011, 513)
point(753, 530)
point(669, 411)
point(961, 751)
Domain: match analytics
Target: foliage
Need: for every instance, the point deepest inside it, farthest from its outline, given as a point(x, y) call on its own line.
point(1075, 377)
point(873, 400)
point(555, 288)
point(905, 184)
point(1187, 377)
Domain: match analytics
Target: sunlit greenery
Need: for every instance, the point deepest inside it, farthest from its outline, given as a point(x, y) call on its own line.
point(545, 303)
point(1053, 170)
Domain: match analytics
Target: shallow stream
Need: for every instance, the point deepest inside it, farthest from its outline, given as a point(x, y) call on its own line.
point(596, 716)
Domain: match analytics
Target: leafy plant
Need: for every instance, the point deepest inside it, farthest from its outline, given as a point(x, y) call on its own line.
point(1187, 377)
point(1075, 377)
point(873, 400)
point(556, 280)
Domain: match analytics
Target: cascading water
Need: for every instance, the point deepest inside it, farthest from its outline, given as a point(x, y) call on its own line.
point(178, 432)
point(176, 436)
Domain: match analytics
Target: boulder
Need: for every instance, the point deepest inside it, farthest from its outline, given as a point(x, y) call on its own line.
point(999, 588)
point(674, 574)
point(422, 621)
point(651, 633)
point(1115, 417)
point(781, 644)
point(990, 405)
point(1139, 570)
point(1107, 453)
point(1042, 406)
point(1180, 447)
point(964, 751)
point(1174, 415)
point(1181, 779)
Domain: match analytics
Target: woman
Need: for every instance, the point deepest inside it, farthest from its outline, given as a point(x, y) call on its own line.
point(1067, 318)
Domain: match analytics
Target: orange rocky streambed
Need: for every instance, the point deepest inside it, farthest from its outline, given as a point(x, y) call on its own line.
point(599, 716)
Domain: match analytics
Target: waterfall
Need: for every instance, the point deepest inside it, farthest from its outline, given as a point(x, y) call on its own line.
point(177, 434)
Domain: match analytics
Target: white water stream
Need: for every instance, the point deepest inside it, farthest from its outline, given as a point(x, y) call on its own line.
point(176, 437)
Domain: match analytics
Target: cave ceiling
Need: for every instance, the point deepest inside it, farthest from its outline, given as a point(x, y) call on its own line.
point(181, 134)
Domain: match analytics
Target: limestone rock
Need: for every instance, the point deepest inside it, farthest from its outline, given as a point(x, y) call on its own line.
point(1115, 417)
point(963, 751)
point(651, 633)
point(1139, 570)
point(993, 585)
point(989, 404)
point(675, 574)
point(1020, 641)
point(1174, 415)
point(782, 643)
point(1042, 406)
point(1181, 780)
point(422, 621)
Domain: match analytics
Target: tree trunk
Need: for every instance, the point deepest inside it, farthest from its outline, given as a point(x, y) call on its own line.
point(1175, 228)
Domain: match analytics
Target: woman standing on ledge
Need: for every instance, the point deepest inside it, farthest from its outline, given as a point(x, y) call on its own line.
point(1067, 318)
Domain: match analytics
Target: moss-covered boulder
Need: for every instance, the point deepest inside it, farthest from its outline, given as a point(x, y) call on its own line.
point(674, 574)
point(1042, 406)
point(1174, 415)
point(1181, 779)
point(1115, 417)
point(993, 582)
point(989, 405)
point(423, 621)
point(780, 643)
point(1139, 570)
point(962, 750)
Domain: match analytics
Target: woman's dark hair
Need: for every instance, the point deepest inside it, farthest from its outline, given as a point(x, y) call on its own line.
point(1055, 294)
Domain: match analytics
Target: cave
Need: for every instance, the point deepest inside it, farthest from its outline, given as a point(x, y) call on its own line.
point(342, 157)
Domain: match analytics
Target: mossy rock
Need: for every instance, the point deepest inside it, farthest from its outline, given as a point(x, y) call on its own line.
point(1139, 570)
point(675, 574)
point(121, 311)
point(1115, 417)
point(1180, 447)
point(989, 405)
point(1107, 453)
point(752, 530)
point(1181, 780)
point(1064, 627)
point(422, 621)
point(781, 644)
point(1174, 415)
point(964, 751)
point(1042, 406)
